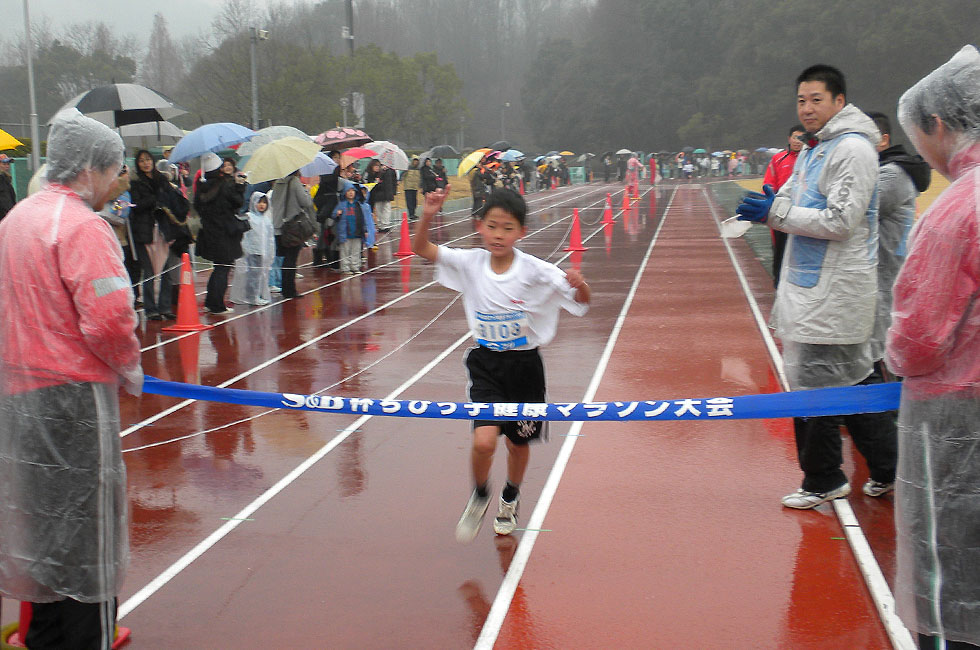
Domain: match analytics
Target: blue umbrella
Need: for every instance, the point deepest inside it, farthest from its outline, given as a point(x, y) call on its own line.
point(511, 155)
point(322, 164)
point(210, 138)
point(539, 159)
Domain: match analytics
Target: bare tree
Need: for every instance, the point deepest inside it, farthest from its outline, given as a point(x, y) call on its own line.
point(163, 67)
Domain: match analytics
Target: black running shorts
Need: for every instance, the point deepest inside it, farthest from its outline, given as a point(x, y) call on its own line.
point(511, 376)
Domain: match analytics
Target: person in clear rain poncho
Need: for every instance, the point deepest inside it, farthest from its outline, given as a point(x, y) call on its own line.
point(67, 343)
point(934, 342)
point(251, 285)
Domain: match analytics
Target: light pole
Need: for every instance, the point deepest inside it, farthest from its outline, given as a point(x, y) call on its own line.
point(502, 130)
point(35, 135)
point(255, 35)
point(344, 102)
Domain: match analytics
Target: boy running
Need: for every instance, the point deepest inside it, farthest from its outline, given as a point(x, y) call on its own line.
point(512, 301)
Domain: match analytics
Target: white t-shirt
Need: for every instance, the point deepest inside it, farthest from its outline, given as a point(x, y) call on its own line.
point(515, 310)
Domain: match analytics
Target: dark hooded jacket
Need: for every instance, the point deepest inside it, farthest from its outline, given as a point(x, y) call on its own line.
point(912, 164)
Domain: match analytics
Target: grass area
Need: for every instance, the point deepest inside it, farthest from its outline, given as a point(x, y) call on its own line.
point(459, 189)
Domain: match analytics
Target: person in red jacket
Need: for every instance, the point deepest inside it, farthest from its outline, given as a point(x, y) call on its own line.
point(67, 344)
point(778, 171)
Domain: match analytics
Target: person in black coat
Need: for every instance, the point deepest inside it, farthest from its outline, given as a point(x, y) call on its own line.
point(218, 195)
point(148, 222)
point(429, 183)
point(325, 201)
point(8, 197)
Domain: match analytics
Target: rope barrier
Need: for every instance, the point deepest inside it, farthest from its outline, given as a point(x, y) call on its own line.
point(849, 400)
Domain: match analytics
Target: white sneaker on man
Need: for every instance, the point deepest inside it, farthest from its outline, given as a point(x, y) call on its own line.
point(506, 520)
point(803, 500)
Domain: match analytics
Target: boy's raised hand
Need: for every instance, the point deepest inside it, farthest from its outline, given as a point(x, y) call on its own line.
point(434, 201)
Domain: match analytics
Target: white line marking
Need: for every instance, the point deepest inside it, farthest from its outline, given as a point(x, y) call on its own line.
point(880, 592)
point(501, 603)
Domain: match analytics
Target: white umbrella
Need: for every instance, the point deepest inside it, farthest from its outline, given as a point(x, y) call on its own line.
point(623, 152)
point(150, 133)
point(270, 134)
point(389, 153)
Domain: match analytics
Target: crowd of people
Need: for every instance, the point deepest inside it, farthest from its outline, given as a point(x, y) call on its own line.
point(95, 228)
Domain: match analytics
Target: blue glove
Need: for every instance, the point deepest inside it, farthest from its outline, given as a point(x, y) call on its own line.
point(755, 206)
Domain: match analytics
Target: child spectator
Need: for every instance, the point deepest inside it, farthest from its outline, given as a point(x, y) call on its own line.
point(354, 228)
point(512, 301)
point(259, 248)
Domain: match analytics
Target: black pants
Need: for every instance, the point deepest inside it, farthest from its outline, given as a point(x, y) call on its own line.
point(72, 625)
point(289, 255)
point(153, 302)
point(133, 268)
point(778, 247)
point(818, 445)
point(932, 643)
point(217, 286)
point(411, 202)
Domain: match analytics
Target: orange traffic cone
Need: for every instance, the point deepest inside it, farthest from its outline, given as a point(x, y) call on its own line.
point(576, 243)
point(522, 186)
point(188, 319)
point(405, 245)
point(607, 216)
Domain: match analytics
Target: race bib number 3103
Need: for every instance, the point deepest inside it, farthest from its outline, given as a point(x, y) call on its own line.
point(501, 331)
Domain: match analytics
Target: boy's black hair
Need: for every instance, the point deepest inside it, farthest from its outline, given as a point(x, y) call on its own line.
point(507, 200)
point(881, 121)
point(831, 77)
point(796, 127)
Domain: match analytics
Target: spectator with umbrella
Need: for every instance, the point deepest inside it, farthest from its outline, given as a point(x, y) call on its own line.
point(325, 201)
point(8, 197)
point(428, 177)
point(289, 198)
point(218, 197)
point(151, 233)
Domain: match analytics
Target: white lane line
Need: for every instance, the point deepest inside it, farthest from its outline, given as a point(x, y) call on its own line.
point(881, 594)
point(174, 569)
point(501, 603)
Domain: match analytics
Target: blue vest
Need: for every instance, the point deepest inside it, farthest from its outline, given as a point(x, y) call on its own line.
point(807, 253)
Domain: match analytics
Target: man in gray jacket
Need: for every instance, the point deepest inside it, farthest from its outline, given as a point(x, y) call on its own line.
point(825, 304)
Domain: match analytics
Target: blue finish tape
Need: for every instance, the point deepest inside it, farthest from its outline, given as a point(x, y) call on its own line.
point(873, 398)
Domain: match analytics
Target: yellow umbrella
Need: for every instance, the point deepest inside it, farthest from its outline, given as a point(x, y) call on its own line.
point(471, 161)
point(566, 153)
point(8, 141)
point(279, 159)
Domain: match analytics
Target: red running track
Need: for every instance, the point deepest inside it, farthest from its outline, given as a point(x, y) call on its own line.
point(307, 530)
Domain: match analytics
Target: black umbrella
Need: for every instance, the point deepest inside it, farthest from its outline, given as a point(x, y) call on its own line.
point(688, 150)
point(442, 151)
point(121, 104)
point(500, 145)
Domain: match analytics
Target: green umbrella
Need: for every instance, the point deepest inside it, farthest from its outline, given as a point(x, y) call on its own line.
point(700, 151)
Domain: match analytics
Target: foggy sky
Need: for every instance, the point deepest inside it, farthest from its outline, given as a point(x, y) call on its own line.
point(130, 17)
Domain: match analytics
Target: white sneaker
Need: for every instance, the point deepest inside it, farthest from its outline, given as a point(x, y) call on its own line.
point(876, 489)
point(506, 520)
point(260, 302)
point(275, 289)
point(803, 500)
point(472, 518)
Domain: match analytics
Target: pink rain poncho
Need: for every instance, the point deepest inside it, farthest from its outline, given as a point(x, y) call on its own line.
point(934, 342)
point(67, 342)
